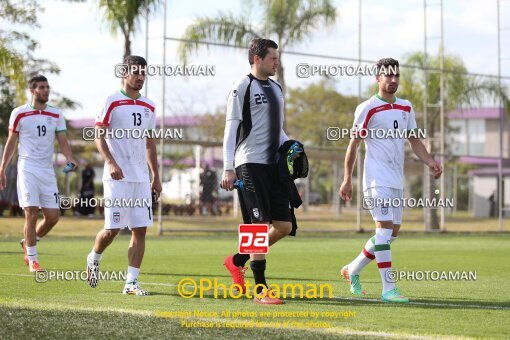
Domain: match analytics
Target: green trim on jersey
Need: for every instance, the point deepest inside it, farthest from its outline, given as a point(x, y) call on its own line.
point(61, 130)
point(124, 93)
point(384, 100)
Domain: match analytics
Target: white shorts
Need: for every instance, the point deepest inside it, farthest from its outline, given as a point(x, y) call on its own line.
point(127, 204)
point(385, 204)
point(37, 189)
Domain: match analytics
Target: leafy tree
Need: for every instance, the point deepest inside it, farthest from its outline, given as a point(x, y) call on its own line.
point(12, 62)
point(287, 21)
point(124, 15)
point(18, 62)
point(310, 112)
point(212, 125)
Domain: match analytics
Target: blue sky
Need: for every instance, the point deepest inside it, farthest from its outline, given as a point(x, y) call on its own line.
point(75, 37)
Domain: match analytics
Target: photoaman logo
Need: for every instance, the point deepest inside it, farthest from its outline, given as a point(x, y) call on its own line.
point(189, 288)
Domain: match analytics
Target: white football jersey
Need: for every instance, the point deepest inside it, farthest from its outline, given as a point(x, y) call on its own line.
point(384, 157)
point(36, 133)
point(131, 118)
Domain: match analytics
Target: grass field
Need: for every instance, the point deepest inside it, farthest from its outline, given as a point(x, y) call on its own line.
point(71, 309)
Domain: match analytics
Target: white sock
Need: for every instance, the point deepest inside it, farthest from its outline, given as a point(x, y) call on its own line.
point(132, 274)
point(95, 256)
point(365, 257)
point(382, 252)
point(32, 254)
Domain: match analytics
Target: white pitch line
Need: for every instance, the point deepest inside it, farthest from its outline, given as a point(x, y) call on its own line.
point(14, 274)
point(431, 304)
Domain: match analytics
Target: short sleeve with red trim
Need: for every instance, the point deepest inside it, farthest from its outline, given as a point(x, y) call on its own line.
point(13, 120)
point(103, 119)
point(360, 116)
point(61, 123)
point(152, 120)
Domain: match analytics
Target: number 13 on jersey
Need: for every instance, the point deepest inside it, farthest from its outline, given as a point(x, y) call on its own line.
point(137, 119)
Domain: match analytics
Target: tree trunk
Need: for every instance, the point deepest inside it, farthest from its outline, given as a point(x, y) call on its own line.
point(281, 79)
point(280, 75)
point(127, 46)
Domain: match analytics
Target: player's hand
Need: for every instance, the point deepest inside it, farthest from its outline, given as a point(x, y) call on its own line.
point(156, 187)
point(345, 190)
point(227, 182)
point(435, 169)
point(3, 179)
point(74, 162)
point(115, 171)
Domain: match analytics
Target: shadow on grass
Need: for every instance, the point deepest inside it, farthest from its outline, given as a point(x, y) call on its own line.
point(20, 253)
point(214, 275)
point(414, 303)
point(11, 252)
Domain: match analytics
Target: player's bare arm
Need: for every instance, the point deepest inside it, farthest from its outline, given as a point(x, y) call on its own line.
point(65, 148)
point(345, 190)
point(152, 160)
point(7, 156)
point(422, 153)
point(115, 170)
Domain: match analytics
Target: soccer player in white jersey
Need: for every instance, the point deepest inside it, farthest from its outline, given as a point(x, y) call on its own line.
point(126, 177)
point(36, 125)
point(383, 176)
point(253, 134)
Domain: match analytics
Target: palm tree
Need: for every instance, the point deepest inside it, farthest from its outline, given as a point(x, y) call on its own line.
point(124, 16)
point(289, 21)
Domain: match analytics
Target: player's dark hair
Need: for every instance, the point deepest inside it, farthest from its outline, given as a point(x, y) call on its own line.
point(260, 47)
point(32, 83)
point(135, 60)
point(386, 64)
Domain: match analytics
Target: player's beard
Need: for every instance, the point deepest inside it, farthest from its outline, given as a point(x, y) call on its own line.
point(134, 86)
point(138, 86)
point(42, 99)
point(272, 72)
point(269, 72)
point(392, 89)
